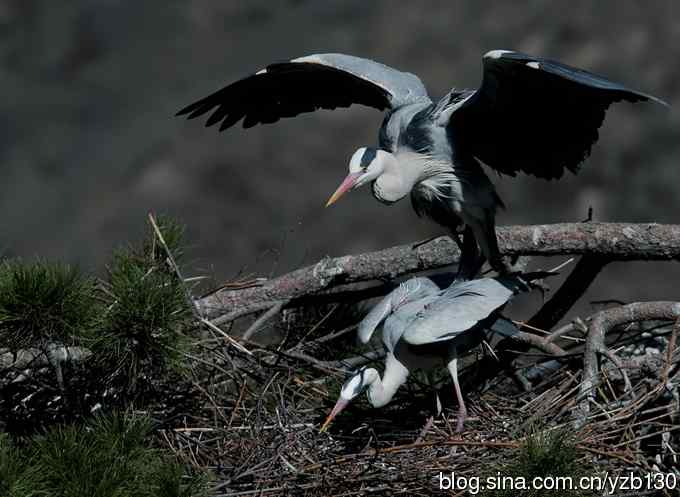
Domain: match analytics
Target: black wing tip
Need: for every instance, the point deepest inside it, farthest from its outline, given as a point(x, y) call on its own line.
point(183, 111)
point(193, 110)
point(634, 95)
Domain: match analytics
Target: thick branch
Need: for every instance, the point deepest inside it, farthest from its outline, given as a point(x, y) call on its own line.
point(613, 241)
point(604, 321)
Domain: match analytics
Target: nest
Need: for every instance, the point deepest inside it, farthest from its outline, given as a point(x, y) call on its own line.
point(257, 429)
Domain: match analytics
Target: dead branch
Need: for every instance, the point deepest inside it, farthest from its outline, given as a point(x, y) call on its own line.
point(37, 358)
point(601, 323)
point(609, 241)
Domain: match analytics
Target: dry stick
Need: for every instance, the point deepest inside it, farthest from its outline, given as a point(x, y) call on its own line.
point(670, 350)
point(262, 320)
point(195, 306)
point(576, 284)
point(231, 340)
point(314, 328)
point(611, 241)
point(332, 336)
point(171, 259)
point(600, 324)
point(419, 445)
point(538, 342)
point(617, 362)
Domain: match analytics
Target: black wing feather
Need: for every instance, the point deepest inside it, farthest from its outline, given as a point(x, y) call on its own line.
point(535, 115)
point(286, 90)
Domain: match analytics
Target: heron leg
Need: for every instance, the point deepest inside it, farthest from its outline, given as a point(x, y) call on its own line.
point(437, 403)
point(462, 410)
point(471, 260)
point(485, 233)
point(438, 410)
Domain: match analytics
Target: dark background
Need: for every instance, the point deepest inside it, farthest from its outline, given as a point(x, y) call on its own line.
point(89, 144)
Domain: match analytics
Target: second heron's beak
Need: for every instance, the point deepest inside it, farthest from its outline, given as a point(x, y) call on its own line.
point(346, 185)
point(339, 406)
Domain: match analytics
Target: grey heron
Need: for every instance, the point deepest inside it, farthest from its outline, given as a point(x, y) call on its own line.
point(530, 114)
point(424, 328)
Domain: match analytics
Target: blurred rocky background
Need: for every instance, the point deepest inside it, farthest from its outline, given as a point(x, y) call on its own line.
point(89, 144)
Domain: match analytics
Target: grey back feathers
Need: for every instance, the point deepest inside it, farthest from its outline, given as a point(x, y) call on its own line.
point(418, 313)
point(411, 290)
point(460, 308)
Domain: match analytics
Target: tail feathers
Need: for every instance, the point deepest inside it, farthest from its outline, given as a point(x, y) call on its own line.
point(504, 327)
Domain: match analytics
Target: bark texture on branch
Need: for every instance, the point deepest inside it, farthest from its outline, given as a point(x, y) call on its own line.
point(613, 241)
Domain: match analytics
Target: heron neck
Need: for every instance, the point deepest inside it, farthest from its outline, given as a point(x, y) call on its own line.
point(382, 390)
point(400, 173)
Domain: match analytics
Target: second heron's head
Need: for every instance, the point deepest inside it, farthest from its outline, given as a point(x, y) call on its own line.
point(352, 388)
point(366, 165)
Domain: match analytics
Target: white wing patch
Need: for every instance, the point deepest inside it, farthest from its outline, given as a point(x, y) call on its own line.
point(496, 54)
point(534, 65)
point(315, 59)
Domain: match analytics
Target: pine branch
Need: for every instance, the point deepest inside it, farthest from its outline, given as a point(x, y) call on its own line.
point(607, 241)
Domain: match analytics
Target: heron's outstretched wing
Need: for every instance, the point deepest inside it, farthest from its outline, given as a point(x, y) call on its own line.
point(459, 309)
point(532, 114)
point(407, 292)
point(321, 81)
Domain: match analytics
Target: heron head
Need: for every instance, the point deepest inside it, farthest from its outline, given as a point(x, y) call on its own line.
point(366, 165)
point(352, 388)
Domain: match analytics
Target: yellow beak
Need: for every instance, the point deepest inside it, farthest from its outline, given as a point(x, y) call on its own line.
point(346, 185)
point(339, 406)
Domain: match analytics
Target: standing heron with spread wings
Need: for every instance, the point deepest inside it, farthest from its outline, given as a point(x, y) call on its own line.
point(530, 114)
point(425, 328)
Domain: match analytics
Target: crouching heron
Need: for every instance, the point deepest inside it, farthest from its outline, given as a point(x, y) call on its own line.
point(424, 328)
point(530, 114)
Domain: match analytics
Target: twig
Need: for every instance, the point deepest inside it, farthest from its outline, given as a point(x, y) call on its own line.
point(195, 307)
point(225, 335)
point(670, 349)
point(539, 343)
point(333, 336)
point(600, 324)
point(576, 284)
point(262, 320)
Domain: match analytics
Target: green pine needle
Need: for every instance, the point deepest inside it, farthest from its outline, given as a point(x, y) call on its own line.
point(142, 334)
point(108, 457)
point(544, 453)
point(42, 303)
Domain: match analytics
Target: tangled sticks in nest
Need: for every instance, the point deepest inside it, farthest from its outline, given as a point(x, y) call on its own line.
point(255, 410)
point(611, 379)
point(259, 428)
